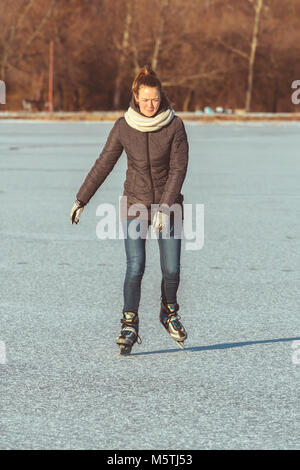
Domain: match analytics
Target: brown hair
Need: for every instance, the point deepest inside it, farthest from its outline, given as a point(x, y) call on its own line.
point(147, 77)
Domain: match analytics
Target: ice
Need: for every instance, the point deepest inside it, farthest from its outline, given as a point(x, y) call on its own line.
point(63, 383)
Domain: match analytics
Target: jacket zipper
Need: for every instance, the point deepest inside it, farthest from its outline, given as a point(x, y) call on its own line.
point(150, 173)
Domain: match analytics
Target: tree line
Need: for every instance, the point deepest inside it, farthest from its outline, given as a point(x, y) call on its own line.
point(238, 54)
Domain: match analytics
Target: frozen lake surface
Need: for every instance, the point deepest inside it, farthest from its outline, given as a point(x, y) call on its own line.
point(236, 385)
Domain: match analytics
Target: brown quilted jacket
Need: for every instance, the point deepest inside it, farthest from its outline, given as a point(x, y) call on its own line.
point(156, 163)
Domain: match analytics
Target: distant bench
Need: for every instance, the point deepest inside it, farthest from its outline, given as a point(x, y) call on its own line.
point(34, 105)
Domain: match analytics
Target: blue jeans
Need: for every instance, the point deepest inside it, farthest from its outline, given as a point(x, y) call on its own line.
point(169, 248)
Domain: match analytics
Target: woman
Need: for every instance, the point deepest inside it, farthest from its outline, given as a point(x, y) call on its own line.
point(155, 142)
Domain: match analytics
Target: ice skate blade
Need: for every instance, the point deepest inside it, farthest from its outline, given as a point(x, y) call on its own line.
point(125, 350)
point(180, 344)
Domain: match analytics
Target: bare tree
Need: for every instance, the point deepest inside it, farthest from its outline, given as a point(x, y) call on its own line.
point(14, 22)
point(258, 7)
point(206, 52)
point(19, 34)
point(160, 31)
point(123, 50)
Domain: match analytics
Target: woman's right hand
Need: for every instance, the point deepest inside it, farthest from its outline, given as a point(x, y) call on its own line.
point(160, 220)
point(76, 211)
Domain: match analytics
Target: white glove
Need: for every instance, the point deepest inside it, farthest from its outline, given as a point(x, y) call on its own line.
point(160, 220)
point(76, 212)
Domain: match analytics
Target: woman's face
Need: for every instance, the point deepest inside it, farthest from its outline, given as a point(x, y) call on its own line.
point(148, 100)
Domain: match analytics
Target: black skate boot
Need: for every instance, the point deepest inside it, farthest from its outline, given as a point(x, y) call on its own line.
point(170, 320)
point(129, 333)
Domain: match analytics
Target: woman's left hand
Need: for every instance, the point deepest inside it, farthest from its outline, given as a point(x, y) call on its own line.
point(76, 211)
point(160, 220)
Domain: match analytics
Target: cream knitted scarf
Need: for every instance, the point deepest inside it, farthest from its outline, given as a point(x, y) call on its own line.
point(148, 124)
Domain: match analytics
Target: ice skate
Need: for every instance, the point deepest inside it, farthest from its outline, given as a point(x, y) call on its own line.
point(170, 320)
point(129, 333)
